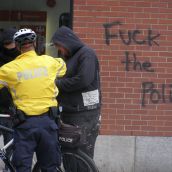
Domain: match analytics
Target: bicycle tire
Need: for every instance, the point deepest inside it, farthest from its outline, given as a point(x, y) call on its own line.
point(7, 162)
point(88, 165)
point(36, 168)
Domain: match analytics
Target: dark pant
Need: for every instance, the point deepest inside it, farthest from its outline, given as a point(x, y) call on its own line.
point(36, 134)
point(88, 120)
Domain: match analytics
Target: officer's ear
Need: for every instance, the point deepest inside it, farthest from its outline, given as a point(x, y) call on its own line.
point(34, 44)
point(18, 46)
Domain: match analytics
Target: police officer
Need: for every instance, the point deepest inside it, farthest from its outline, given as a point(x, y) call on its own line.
point(31, 81)
point(8, 52)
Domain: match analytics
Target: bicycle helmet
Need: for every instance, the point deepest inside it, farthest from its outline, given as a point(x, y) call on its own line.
point(24, 36)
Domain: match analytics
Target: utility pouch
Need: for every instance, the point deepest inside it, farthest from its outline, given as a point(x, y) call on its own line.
point(71, 136)
point(19, 118)
point(53, 112)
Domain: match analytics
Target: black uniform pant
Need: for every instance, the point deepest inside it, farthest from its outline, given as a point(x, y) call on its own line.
point(36, 134)
point(88, 120)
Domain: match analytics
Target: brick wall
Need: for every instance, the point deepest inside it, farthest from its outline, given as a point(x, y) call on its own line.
point(133, 40)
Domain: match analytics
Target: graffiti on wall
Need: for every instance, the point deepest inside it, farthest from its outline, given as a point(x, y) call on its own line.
point(156, 95)
point(131, 61)
point(149, 39)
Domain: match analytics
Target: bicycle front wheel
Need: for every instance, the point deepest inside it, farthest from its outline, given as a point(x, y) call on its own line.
point(37, 168)
point(74, 161)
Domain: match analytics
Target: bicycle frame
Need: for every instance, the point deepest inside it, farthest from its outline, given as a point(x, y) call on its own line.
point(3, 156)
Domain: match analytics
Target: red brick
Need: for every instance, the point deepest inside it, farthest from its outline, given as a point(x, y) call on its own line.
point(123, 122)
point(139, 122)
point(133, 128)
point(132, 117)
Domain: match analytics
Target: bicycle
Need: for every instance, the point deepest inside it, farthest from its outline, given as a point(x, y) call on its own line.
point(3, 155)
point(68, 153)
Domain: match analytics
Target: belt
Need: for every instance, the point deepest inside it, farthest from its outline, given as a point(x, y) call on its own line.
point(91, 107)
point(40, 115)
point(20, 117)
point(79, 108)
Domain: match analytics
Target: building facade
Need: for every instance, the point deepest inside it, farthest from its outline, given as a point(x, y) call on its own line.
point(133, 40)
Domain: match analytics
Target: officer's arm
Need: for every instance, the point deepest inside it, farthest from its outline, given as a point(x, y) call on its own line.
point(61, 67)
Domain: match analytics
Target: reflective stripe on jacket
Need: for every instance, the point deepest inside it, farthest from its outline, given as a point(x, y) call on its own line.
point(31, 81)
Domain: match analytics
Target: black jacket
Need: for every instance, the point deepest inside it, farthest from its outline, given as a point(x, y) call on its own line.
point(5, 96)
point(79, 89)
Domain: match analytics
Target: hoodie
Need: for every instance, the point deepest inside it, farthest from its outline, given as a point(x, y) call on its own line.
point(79, 89)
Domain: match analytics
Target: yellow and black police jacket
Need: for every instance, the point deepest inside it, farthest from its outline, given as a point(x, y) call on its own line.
point(31, 81)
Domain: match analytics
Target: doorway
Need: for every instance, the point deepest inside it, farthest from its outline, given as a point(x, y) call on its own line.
point(43, 16)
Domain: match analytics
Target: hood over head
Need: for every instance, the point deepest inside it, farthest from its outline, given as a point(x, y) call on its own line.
point(8, 35)
point(65, 37)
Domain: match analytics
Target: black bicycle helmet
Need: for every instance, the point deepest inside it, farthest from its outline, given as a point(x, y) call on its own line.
point(24, 36)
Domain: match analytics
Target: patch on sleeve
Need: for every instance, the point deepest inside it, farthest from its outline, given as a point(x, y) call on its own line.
point(90, 98)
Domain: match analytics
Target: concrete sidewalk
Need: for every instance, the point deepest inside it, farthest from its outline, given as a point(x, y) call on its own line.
point(133, 154)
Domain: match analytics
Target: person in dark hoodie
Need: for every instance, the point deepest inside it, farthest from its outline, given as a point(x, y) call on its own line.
point(79, 90)
point(8, 52)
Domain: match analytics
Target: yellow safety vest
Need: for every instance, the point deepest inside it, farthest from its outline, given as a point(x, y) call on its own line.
point(31, 81)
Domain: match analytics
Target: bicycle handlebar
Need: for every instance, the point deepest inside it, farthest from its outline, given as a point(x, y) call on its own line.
point(3, 127)
point(4, 115)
